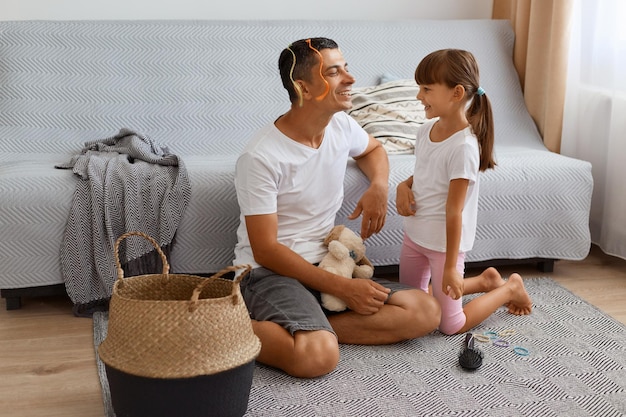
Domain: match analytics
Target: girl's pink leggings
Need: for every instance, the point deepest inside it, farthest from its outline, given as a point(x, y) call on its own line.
point(419, 266)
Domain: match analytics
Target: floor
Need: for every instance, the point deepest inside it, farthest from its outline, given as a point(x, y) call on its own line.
point(47, 359)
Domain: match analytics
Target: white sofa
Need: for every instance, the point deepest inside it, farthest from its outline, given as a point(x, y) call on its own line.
point(202, 87)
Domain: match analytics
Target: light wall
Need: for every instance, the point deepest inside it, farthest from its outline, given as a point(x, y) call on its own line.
point(244, 9)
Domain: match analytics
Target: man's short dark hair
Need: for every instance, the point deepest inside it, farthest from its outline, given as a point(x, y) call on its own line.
point(306, 58)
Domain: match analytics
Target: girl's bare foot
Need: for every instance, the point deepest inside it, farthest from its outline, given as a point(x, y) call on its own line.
point(520, 303)
point(491, 279)
point(488, 280)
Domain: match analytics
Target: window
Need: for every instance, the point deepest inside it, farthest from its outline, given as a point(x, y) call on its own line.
point(602, 40)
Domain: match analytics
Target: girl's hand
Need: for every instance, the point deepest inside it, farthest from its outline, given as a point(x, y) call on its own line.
point(405, 201)
point(452, 284)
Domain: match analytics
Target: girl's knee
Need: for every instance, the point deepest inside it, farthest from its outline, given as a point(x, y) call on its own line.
point(452, 324)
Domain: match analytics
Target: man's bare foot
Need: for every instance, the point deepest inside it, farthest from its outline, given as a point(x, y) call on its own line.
point(491, 279)
point(520, 303)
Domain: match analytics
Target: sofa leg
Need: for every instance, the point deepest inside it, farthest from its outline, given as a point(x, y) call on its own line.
point(546, 265)
point(14, 296)
point(14, 303)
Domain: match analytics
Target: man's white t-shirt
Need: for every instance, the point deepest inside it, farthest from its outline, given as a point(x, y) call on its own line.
point(436, 164)
point(304, 186)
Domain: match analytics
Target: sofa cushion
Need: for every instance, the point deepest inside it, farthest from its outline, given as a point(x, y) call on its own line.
point(390, 112)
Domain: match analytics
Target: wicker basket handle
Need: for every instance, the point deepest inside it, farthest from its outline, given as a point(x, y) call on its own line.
point(196, 292)
point(118, 265)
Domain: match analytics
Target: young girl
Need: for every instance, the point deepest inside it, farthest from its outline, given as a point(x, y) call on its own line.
point(440, 199)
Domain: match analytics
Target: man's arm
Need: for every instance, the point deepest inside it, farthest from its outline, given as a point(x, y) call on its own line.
point(373, 203)
point(361, 295)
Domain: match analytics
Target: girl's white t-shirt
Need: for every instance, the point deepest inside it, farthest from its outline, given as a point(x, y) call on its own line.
point(436, 164)
point(304, 186)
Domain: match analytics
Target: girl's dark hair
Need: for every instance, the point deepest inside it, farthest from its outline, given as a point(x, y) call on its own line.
point(306, 58)
point(454, 67)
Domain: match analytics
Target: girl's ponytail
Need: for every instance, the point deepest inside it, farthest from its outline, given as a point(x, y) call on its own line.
point(481, 119)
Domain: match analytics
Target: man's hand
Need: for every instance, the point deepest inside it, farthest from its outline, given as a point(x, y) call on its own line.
point(373, 203)
point(364, 296)
point(373, 207)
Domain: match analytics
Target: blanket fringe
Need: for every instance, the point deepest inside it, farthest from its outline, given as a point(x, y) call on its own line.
point(148, 263)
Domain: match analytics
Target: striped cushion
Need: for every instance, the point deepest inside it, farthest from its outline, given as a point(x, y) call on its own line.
point(390, 112)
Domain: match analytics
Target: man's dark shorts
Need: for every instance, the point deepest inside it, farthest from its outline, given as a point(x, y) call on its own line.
point(283, 300)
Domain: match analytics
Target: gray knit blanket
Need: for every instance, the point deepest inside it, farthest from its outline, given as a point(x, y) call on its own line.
point(126, 183)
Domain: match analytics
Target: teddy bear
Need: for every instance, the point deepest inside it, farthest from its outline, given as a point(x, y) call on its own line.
point(345, 257)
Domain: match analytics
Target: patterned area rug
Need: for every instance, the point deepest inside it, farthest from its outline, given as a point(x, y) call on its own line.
point(575, 366)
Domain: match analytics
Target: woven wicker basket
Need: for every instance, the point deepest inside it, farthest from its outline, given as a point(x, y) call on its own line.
point(176, 326)
point(178, 344)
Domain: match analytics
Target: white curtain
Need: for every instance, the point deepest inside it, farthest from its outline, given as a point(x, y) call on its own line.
point(594, 121)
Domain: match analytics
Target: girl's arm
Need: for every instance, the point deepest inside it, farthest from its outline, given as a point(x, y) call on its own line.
point(405, 201)
point(453, 280)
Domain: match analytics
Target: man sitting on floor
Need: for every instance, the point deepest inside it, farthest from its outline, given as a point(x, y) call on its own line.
point(289, 182)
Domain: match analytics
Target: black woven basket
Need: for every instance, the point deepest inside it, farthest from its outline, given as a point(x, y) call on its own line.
point(224, 394)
